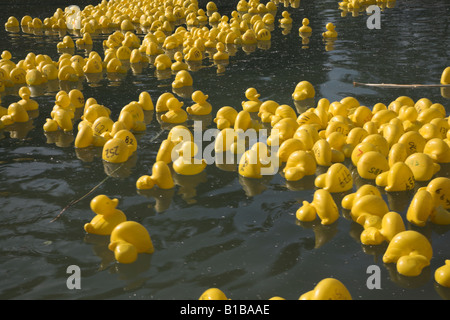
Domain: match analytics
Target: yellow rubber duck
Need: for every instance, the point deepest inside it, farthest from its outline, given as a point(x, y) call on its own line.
point(371, 164)
point(288, 147)
point(253, 161)
point(305, 28)
point(337, 179)
point(85, 40)
point(194, 54)
point(367, 206)
point(128, 239)
point(201, 106)
point(322, 153)
point(161, 177)
point(213, 294)
point(323, 205)
point(411, 251)
point(303, 90)
point(249, 37)
point(283, 111)
point(34, 77)
point(438, 150)
point(182, 79)
point(116, 150)
point(225, 117)
point(267, 110)
point(391, 225)
point(442, 274)
point(413, 141)
point(178, 64)
point(26, 101)
point(286, 20)
point(16, 113)
point(421, 208)
point(186, 163)
point(330, 33)
point(440, 191)
point(107, 215)
point(253, 103)
point(422, 166)
point(349, 200)
point(175, 114)
point(328, 289)
point(86, 137)
point(12, 22)
point(162, 62)
point(221, 54)
point(299, 164)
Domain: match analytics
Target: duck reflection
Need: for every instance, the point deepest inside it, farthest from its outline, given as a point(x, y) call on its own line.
point(163, 197)
point(253, 187)
point(188, 185)
point(60, 138)
point(88, 154)
point(322, 233)
point(20, 130)
point(120, 170)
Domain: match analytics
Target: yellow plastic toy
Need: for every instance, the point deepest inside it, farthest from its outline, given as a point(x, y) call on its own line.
point(391, 224)
point(397, 153)
point(194, 54)
point(440, 191)
point(349, 200)
point(337, 179)
point(305, 28)
point(162, 62)
point(186, 164)
point(161, 177)
point(12, 22)
point(286, 20)
point(225, 117)
point(253, 103)
point(128, 239)
point(411, 251)
point(328, 289)
point(322, 153)
point(178, 64)
point(323, 205)
point(303, 90)
point(398, 178)
point(379, 142)
point(175, 114)
point(221, 54)
point(299, 164)
point(413, 141)
point(282, 130)
point(438, 150)
point(107, 215)
point(422, 166)
point(213, 294)
point(16, 113)
point(182, 79)
point(288, 147)
point(421, 208)
point(442, 274)
point(331, 32)
point(267, 110)
point(360, 149)
point(253, 160)
point(34, 77)
point(26, 101)
point(201, 106)
point(86, 137)
point(367, 206)
point(116, 150)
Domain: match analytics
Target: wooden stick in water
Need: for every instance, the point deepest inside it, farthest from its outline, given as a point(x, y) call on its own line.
point(392, 85)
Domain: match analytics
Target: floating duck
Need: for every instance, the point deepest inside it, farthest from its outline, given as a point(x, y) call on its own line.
point(303, 90)
point(391, 224)
point(286, 20)
point(349, 200)
point(422, 166)
point(85, 40)
point(253, 104)
point(371, 164)
point(221, 54)
point(367, 209)
point(213, 294)
point(107, 215)
point(267, 110)
point(323, 205)
point(255, 161)
point(128, 239)
point(182, 79)
point(442, 274)
point(397, 153)
point(305, 28)
point(413, 141)
point(162, 62)
point(161, 177)
point(28, 103)
point(330, 33)
point(175, 114)
point(225, 117)
point(86, 137)
point(288, 147)
point(16, 113)
point(178, 64)
point(187, 164)
point(438, 150)
point(12, 22)
point(411, 251)
point(34, 77)
point(440, 191)
point(421, 208)
point(201, 107)
point(322, 153)
point(299, 164)
point(328, 289)
point(116, 150)
point(336, 179)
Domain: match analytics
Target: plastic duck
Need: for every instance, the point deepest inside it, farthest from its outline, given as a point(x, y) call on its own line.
point(328, 289)
point(178, 64)
point(397, 153)
point(305, 28)
point(107, 216)
point(194, 54)
point(391, 224)
point(12, 22)
point(116, 150)
point(286, 20)
point(161, 177)
point(442, 274)
point(28, 103)
point(322, 153)
point(86, 40)
point(225, 117)
point(288, 147)
point(253, 104)
point(213, 294)
point(162, 62)
point(201, 107)
point(411, 251)
point(371, 164)
point(16, 113)
point(186, 164)
point(86, 137)
point(254, 160)
point(421, 208)
point(438, 150)
point(303, 90)
point(161, 103)
point(323, 205)
point(367, 209)
point(267, 110)
point(349, 200)
point(221, 55)
point(175, 114)
point(283, 111)
point(145, 101)
point(224, 140)
point(128, 239)
point(182, 79)
point(330, 33)
point(336, 179)
point(299, 164)
point(133, 117)
point(422, 166)
point(413, 141)
point(440, 191)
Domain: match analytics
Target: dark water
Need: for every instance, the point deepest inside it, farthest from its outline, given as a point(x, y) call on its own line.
point(218, 230)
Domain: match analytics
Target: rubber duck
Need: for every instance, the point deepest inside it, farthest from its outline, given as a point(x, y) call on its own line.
point(35, 78)
point(253, 103)
point(288, 147)
point(76, 98)
point(66, 43)
point(201, 106)
point(391, 224)
point(182, 79)
point(255, 162)
point(442, 274)
point(86, 137)
point(336, 179)
point(286, 20)
point(94, 111)
point(145, 101)
point(439, 189)
point(161, 103)
point(16, 113)
point(186, 163)
point(411, 251)
point(224, 140)
point(116, 150)
point(299, 164)
point(267, 110)
point(221, 54)
point(330, 33)
point(328, 289)
point(225, 117)
point(349, 200)
point(193, 54)
point(421, 208)
point(213, 294)
point(322, 153)
point(323, 205)
point(12, 22)
point(282, 131)
point(115, 66)
point(107, 215)
point(28, 103)
point(162, 62)
point(371, 164)
point(283, 111)
point(161, 177)
point(175, 114)
point(243, 121)
point(93, 65)
point(178, 64)
point(397, 153)
point(128, 239)
point(305, 28)
point(422, 166)
point(413, 141)
point(85, 40)
point(303, 90)
point(438, 150)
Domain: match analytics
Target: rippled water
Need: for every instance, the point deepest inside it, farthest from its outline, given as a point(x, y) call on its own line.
point(215, 230)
